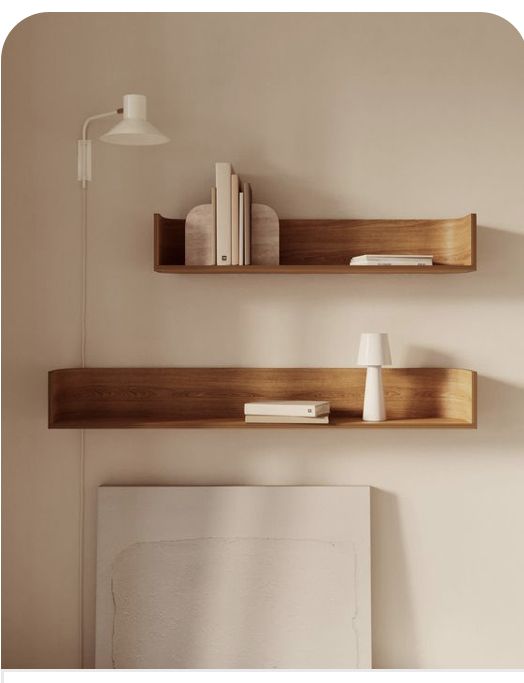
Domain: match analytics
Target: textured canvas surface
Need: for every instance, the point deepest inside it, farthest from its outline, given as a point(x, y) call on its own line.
point(226, 577)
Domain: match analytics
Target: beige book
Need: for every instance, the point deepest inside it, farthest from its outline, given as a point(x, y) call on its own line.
point(234, 219)
point(223, 185)
point(247, 223)
point(214, 219)
point(241, 255)
point(284, 419)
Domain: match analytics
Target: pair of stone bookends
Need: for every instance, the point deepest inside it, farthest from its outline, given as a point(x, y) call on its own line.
point(200, 236)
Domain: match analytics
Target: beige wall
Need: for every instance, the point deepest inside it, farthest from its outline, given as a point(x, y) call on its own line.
point(369, 115)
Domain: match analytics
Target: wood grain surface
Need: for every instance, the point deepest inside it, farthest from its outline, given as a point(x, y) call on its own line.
point(326, 246)
point(215, 397)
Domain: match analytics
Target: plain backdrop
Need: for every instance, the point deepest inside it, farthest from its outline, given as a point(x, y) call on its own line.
point(327, 115)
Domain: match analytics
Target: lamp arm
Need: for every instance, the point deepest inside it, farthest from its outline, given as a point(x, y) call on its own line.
point(98, 116)
point(84, 147)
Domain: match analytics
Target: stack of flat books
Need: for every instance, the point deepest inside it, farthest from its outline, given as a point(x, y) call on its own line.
point(232, 200)
point(292, 412)
point(392, 260)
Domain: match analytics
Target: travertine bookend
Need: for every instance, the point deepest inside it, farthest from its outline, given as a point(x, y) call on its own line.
point(265, 249)
point(200, 242)
point(200, 238)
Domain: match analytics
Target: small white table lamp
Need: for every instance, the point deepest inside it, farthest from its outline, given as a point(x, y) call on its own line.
point(374, 353)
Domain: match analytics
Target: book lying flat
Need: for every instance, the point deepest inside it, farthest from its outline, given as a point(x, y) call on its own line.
point(285, 419)
point(288, 408)
point(392, 260)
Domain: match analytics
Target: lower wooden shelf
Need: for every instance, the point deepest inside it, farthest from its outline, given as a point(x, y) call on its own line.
point(123, 398)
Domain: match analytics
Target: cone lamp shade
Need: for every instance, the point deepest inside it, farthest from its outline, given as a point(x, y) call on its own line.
point(134, 129)
point(373, 353)
point(374, 349)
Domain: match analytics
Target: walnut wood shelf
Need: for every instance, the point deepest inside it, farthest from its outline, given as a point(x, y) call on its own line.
point(114, 398)
point(326, 246)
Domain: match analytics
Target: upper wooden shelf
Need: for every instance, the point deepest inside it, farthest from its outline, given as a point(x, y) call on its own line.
point(214, 397)
point(326, 246)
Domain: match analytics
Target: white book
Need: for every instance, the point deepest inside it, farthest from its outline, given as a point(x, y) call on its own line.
point(392, 259)
point(285, 419)
point(223, 241)
point(246, 187)
point(240, 228)
point(400, 262)
point(287, 408)
point(234, 219)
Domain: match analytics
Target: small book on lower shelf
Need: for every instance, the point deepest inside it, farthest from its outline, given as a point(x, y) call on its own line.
point(288, 408)
point(287, 419)
point(392, 260)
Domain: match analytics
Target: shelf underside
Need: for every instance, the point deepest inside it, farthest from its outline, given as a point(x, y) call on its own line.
point(326, 246)
point(317, 269)
point(214, 397)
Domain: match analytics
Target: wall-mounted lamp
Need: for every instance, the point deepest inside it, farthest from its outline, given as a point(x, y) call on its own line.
point(374, 353)
point(134, 129)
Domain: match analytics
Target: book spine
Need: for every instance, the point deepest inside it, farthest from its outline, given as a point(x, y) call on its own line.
point(276, 419)
point(407, 262)
point(247, 224)
point(234, 219)
point(240, 228)
point(214, 219)
point(223, 185)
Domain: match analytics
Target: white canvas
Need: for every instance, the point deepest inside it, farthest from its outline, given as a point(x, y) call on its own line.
point(233, 577)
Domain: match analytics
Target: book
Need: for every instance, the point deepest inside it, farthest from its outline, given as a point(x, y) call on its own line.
point(240, 228)
point(287, 408)
point(223, 185)
point(246, 187)
point(234, 219)
point(392, 260)
point(286, 419)
point(214, 218)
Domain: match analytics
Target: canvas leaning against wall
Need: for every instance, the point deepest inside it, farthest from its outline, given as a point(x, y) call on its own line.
point(233, 577)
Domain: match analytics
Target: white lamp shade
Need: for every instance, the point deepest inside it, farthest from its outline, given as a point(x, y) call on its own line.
point(374, 349)
point(134, 129)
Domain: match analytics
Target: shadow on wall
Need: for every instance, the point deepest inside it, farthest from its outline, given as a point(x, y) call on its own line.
point(500, 254)
point(500, 412)
point(278, 302)
point(389, 568)
point(424, 357)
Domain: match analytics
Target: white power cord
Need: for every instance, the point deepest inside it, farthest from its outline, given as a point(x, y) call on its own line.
point(81, 477)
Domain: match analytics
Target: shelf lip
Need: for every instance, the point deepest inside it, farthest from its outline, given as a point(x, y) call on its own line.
point(439, 269)
point(421, 423)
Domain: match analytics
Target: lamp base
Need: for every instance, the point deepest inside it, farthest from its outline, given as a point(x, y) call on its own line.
point(374, 406)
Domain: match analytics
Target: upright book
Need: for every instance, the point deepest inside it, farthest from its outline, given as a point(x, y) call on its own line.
point(234, 219)
point(246, 188)
point(223, 185)
point(241, 257)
